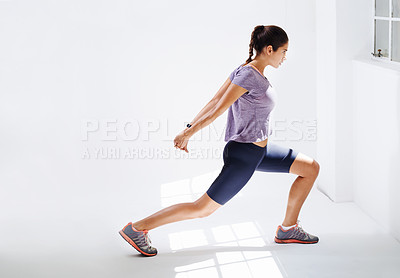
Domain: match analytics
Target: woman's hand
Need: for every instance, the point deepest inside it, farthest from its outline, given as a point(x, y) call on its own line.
point(181, 141)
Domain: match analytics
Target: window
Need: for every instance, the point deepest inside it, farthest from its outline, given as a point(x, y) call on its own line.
point(387, 30)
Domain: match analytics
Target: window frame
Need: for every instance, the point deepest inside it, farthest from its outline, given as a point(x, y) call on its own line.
point(390, 19)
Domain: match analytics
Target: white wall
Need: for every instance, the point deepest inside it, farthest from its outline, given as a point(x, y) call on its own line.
point(326, 90)
point(340, 38)
point(377, 142)
point(64, 62)
point(358, 103)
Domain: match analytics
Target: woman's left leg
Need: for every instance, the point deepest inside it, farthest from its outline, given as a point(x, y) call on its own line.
point(286, 160)
point(307, 169)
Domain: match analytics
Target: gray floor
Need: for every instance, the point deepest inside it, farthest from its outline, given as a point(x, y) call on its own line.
point(236, 241)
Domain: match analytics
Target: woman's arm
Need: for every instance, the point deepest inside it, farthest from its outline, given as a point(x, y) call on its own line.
point(206, 109)
point(232, 93)
point(213, 101)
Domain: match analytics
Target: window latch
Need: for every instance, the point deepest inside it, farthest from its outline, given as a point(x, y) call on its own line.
point(379, 53)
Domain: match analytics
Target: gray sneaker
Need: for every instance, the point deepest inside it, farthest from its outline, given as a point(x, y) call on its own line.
point(140, 240)
point(295, 234)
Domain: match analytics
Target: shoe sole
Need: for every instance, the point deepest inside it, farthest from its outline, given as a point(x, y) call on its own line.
point(277, 240)
point(130, 241)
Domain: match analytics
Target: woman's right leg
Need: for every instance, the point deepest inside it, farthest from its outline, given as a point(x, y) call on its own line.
point(202, 207)
point(240, 162)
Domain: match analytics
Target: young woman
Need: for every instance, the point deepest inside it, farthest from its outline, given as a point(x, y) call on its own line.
point(250, 99)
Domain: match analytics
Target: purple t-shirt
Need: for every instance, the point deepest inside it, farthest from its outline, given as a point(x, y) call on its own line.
point(249, 116)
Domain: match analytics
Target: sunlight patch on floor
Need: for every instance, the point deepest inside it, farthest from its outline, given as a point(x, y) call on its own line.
point(257, 263)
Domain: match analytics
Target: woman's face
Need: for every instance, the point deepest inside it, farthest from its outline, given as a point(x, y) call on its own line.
point(279, 56)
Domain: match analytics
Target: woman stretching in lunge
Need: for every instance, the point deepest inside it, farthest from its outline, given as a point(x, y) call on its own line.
point(250, 99)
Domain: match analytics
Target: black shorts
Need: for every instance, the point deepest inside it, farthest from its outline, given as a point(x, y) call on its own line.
point(240, 162)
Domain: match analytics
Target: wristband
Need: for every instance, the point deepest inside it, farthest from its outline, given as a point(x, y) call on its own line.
point(188, 125)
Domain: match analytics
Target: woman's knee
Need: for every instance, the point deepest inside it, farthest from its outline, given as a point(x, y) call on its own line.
point(315, 168)
point(305, 166)
point(205, 206)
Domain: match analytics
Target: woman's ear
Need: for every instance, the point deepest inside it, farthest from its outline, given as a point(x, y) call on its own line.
point(268, 50)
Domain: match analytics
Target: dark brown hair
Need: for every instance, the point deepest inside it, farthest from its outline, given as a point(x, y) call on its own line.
point(263, 36)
